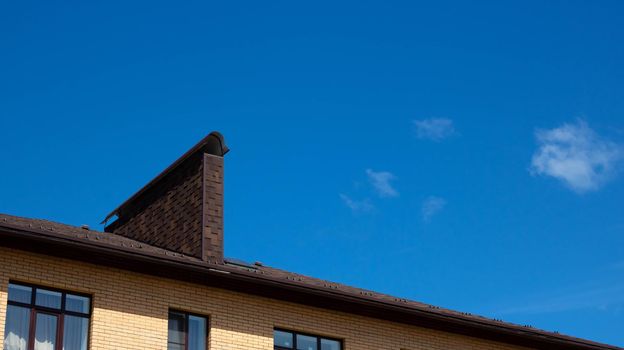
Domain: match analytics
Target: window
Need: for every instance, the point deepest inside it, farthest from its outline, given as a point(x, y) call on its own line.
point(40, 318)
point(284, 340)
point(186, 331)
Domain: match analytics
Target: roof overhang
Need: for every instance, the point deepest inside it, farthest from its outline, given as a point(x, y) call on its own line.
point(230, 278)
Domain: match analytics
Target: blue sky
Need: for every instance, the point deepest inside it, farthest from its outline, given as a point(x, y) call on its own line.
point(464, 155)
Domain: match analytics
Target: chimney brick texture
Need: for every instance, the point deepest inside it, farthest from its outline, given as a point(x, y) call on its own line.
point(182, 212)
point(212, 224)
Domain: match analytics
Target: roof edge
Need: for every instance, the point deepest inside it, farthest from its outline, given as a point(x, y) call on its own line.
point(236, 279)
point(213, 143)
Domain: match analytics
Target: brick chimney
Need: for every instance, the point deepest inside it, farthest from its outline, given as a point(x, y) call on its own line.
point(182, 208)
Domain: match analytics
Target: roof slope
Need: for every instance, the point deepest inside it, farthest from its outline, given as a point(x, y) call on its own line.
point(19, 228)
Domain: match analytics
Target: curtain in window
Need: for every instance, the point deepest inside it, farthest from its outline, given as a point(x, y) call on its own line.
point(77, 303)
point(197, 333)
point(305, 342)
point(45, 332)
point(48, 298)
point(16, 328)
point(75, 331)
point(176, 335)
point(327, 344)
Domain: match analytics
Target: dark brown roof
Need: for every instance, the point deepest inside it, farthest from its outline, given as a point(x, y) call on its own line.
point(111, 249)
point(213, 143)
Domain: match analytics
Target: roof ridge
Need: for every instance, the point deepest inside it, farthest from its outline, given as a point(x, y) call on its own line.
point(82, 232)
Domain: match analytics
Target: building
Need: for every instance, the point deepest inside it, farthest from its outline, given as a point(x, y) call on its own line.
point(157, 278)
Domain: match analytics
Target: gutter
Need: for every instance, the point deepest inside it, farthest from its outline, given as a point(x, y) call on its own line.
point(229, 278)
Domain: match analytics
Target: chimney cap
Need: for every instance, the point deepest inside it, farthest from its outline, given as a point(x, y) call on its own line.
point(213, 143)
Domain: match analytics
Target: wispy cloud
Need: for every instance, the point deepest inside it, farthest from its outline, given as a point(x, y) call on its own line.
point(380, 180)
point(435, 129)
point(357, 206)
point(576, 155)
point(431, 206)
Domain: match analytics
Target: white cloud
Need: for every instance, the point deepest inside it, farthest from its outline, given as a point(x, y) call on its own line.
point(357, 206)
point(431, 206)
point(435, 129)
point(381, 182)
point(576, 155)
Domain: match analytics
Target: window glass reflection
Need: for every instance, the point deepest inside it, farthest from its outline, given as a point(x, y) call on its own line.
point(45, 332)
point(75, 333)
point(305, 342)
point(20, 294)
point(77, 303)
point(283, 339)
point(176, 337)
point(16, 328)
point(196, 333)
point(327, 344)
point(34, 323)
point(48, 298)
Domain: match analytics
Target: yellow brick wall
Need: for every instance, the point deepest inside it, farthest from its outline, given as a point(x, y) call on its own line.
point(130, 311)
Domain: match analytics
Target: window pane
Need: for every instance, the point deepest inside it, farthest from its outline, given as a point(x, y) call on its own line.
point(77, 303)
point(196, 333)
point(283, 339)
point(305, 342)
point(45, 332)
point(75, 331)
point(176, 335)
point(327, 344)
point(16, 328)
point(20, 293)
point(48, 298)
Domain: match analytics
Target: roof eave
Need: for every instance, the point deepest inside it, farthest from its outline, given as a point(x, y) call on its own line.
point(230, 278)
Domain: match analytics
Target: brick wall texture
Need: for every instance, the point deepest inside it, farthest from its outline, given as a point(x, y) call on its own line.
point(130, 311)
point(184, 213)
point(213, 207)
point(169, 215)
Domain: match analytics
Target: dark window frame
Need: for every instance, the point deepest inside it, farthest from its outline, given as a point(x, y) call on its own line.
point(59, 313)
point(186, 325)
point(294, 335)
